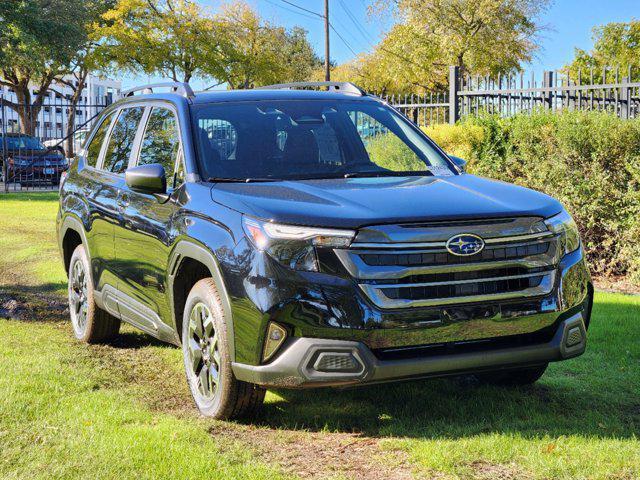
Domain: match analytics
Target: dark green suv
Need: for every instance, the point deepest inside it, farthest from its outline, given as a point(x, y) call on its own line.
point(292, 238)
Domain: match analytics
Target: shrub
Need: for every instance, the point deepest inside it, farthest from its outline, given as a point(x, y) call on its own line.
point(590, 161)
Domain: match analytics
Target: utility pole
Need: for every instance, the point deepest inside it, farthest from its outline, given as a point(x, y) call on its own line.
point(327, 70)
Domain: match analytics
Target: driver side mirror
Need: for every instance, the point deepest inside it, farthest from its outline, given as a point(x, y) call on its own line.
point(460, 163)
point(150, 179)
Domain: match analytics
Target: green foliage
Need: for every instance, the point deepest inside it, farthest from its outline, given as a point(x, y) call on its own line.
point(39, 40)
point(179, 39)
point(590, 161)
point(616, 45)
point(486, 37)
point(388, 151)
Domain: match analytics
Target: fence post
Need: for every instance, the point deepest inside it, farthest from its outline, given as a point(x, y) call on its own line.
point(625, 98)
point(454, 86)
point(547, 82)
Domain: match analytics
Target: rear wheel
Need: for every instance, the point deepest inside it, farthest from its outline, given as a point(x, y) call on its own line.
point(515, 377)
point(90, 324)
point(215, 390)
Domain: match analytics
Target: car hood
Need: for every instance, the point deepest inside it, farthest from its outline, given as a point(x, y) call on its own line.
point(357, 202)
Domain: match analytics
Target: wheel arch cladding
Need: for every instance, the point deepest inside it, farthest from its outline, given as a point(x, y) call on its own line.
point(191, 262)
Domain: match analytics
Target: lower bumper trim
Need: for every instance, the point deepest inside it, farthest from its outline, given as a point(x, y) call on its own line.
point(294, 366)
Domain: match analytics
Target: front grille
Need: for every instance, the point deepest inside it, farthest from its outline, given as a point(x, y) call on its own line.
point(446, 258)
point(408, 274)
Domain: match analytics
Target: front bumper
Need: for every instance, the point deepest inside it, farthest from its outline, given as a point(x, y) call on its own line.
point(310, 362)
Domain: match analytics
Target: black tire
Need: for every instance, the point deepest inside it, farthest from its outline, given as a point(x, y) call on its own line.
point(90, 323)
point(206, 354)
point(515, 377)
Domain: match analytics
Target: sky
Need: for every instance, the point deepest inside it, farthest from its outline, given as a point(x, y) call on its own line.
point(568, 22)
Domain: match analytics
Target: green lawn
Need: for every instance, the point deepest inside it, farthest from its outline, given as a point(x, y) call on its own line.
point(121, 410)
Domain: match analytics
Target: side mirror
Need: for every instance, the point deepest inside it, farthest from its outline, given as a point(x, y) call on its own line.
point(149, 179)
point(460, 163)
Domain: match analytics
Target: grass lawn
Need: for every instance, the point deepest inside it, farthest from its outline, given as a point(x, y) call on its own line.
point(123, 410)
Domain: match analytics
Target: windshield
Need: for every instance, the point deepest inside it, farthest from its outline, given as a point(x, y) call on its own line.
point(294, 139)
point(23, 142)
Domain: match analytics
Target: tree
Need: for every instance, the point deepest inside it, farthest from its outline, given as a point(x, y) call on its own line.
point(484, 37)
point(615, 46)
point(179, 40)
point(38, 39)
point(254, 52)
point(85, 61)
point(166, 37)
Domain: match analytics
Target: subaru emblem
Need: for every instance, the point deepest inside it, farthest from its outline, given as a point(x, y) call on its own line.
point(465, 244)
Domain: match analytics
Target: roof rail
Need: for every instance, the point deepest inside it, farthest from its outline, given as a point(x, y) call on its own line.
point(345, 87)
point(178, 87)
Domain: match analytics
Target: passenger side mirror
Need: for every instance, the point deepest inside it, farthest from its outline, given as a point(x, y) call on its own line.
point(150, 179)
point(460, 163)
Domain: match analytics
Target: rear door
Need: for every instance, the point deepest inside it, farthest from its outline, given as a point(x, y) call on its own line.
point(115, 158)
point(143, 244)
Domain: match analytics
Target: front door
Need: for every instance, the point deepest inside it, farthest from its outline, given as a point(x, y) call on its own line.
point(143, 245)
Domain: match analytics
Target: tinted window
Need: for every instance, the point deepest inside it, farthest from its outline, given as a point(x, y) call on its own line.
point(292, 139)
point(93, 150)
point(161, 141)
point(116, 158)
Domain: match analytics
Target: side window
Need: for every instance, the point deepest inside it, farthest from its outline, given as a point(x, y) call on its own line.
point(161, 142)
point(116, 158)
point(93, 149)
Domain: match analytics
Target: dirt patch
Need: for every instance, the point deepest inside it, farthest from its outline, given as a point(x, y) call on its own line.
point(319, 455)
point(36, 306)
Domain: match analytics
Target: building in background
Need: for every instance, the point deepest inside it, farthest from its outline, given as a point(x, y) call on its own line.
point(52, 119)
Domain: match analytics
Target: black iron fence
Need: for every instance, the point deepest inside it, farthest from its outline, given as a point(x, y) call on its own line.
point(36, 142)
point(607, 90)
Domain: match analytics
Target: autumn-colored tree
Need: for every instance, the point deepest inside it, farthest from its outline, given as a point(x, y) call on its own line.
point(38, 41)
point(616, 48)
point(254, 52)
point(480, 36)
point(178, 39)
point(165, 37)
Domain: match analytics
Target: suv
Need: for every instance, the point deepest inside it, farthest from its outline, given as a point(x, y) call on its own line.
point(292, 238)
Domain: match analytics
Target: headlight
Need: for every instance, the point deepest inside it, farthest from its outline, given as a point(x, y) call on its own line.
point(294, 246)
point(563, 225)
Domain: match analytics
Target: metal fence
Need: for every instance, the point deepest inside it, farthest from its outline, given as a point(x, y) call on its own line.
point(608, 90)
point(37, 142)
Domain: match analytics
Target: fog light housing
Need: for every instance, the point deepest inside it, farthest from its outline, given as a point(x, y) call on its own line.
point(276, 335)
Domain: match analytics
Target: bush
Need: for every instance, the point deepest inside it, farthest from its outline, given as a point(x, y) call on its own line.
point(590, 161)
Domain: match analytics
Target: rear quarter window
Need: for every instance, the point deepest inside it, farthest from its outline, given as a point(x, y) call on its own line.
point(93, 149)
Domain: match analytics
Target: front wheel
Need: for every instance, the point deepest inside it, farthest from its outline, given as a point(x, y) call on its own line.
point(215, 390)
point(515, 377)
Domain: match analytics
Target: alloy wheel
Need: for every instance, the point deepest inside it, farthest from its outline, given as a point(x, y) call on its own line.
point(203, 352)
point(78, 300)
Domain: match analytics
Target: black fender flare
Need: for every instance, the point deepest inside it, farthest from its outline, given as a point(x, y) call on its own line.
point(195, 251)
point(70, 222)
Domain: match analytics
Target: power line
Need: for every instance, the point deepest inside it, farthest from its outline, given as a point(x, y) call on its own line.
point(343, 40)
point(359, 27)
point(302, 8)
point(290, 9)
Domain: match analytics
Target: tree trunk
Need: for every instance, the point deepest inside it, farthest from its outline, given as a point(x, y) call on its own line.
point(81, 77)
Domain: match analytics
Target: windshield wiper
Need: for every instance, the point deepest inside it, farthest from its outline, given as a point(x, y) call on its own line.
point(241, 180)
point(388, 174)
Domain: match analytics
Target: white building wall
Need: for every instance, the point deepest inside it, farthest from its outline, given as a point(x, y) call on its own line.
point(52, 120)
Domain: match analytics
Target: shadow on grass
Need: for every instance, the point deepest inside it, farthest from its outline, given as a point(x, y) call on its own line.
point(595, 395)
